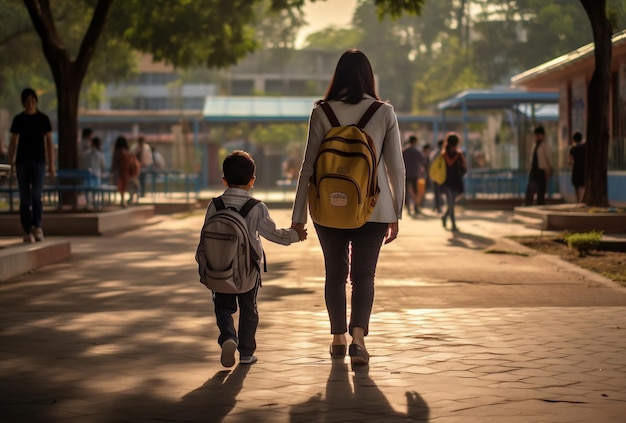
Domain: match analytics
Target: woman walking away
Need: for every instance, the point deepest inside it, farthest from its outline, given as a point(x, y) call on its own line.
point(453, 185)
point(124, 167)
point(354, 252)
point(31, 138)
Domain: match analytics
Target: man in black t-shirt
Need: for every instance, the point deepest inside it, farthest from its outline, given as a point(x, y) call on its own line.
point(30, 149)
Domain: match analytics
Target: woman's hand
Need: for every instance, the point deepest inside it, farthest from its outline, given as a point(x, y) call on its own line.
point(297, 226)
point(392, 232)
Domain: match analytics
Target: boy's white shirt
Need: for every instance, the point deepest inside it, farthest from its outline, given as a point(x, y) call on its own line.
point(258, 220)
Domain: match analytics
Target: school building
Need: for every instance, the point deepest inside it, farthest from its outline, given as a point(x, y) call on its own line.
point(570, 75)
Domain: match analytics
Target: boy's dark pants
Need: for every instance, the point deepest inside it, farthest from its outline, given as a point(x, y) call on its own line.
point(225, 307)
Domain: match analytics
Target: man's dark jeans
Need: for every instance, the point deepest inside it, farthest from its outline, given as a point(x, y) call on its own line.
point(536, 185)
point(30, 180)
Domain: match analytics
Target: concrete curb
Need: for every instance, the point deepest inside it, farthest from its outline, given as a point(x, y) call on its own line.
point(514, 246)
point(20, 259)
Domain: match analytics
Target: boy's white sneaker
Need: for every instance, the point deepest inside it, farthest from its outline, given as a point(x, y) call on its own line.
point(228, 353)
point(247, 360)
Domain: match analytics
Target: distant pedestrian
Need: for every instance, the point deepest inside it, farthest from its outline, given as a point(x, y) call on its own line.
point(31, 147)
point(84, 145)
point(577, 162)
point(239, 175)
point(124, 168)
point(437, 192)
point(540, 169)
point(94, 160)
point(426, 150)
point(158, 161)
point(453, 187)
point(414, 165)
point(144, 155)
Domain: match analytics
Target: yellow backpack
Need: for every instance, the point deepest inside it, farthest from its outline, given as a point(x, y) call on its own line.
point(437, 171)
point(344, 187)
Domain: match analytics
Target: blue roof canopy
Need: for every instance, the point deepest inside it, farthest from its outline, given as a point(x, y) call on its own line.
point(497, 99)
point(258, 109)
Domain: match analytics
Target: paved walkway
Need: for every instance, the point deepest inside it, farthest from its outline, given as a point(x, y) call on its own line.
point(124, 333)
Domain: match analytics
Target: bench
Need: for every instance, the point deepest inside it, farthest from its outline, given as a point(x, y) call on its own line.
point(77, 181)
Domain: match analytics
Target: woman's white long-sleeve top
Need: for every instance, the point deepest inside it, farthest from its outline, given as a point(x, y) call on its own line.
point(383, 128)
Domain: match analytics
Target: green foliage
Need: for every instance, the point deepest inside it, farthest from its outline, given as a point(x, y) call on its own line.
point(334, 38)
point(583, 242)
point(214, 33)
point(285, 136)
point(277, 28)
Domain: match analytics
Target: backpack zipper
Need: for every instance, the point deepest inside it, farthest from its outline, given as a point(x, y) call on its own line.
point(217, 235)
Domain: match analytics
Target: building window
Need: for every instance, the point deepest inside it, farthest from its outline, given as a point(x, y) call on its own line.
point(242, 87)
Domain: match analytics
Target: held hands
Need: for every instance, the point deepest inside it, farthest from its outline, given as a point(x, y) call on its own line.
point(300, 229)
point(392, 232)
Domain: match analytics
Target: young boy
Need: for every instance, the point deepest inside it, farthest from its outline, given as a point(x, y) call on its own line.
point(239, 176)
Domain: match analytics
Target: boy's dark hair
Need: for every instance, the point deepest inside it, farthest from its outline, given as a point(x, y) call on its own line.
point(439, 143)
point(238, 168)
point(29, 92)
point(87, 132)
point(540, 130)
point(412, 140)
point(578, 137)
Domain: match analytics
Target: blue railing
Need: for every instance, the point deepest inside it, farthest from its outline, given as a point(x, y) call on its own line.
point(501, 184)
point(96, 194)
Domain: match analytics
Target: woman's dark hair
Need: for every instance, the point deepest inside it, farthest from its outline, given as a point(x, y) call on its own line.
point(352, 79)
point(452, 141)
point(238, 168)
point(29, 92)
point(121, 143)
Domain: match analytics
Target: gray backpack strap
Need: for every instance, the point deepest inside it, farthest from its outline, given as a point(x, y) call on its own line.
point(245, 209)
point(219, 203)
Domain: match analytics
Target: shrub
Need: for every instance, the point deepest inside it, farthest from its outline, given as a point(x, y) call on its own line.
point(583, 242)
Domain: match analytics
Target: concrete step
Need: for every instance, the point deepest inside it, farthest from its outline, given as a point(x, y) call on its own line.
point(18, 259)
point(110, 221)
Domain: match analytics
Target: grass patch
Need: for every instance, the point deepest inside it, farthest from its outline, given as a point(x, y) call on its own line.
point(610, 264)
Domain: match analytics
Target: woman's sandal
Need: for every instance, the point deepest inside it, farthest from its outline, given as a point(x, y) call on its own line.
point(337, 351)
point(358, 355)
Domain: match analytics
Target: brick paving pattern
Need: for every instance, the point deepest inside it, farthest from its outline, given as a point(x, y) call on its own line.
point(123, 332)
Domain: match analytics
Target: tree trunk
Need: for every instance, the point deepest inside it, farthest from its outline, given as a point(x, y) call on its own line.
point(68, 74)
point(597, 150)
point(68, 91)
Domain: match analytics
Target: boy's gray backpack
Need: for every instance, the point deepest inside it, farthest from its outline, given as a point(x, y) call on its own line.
point(227, 260)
